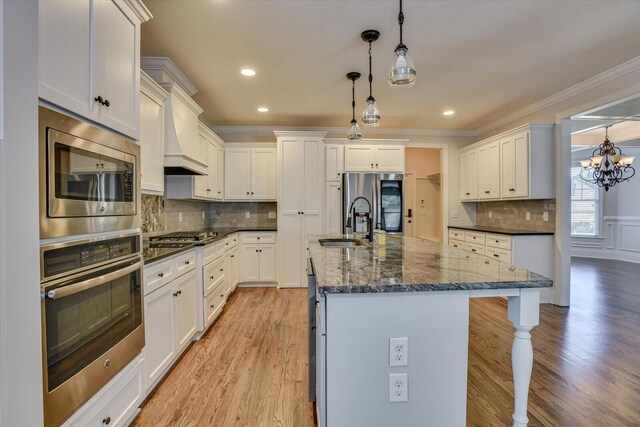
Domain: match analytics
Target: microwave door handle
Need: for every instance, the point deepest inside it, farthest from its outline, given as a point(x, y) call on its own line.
point(65, 291)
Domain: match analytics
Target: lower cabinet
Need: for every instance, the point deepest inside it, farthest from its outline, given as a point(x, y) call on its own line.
point(257, 257)
point(186, 321)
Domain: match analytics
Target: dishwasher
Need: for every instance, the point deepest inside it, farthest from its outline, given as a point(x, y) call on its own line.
point(311, 282)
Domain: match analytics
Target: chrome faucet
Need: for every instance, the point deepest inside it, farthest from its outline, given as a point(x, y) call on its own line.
point(351, 211)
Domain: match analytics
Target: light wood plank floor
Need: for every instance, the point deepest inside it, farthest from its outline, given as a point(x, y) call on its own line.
point(250, 369)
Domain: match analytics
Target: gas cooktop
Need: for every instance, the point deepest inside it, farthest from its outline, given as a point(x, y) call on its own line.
point(183, 237)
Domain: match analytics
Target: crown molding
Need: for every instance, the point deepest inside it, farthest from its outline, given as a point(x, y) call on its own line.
point(159, 66)
point(368, 131)
point(152, 88)
point(176, 90)
point(584, 86)
point(139, 9)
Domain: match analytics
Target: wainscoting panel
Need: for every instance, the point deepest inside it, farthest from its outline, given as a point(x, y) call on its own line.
point(620, 240)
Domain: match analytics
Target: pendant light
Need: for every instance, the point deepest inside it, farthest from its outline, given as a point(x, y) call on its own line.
point(371, 113)
point(353, 134)
point(607, 165)
point(403, 73)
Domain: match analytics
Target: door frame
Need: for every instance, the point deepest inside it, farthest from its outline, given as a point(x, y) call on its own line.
point(409, 176)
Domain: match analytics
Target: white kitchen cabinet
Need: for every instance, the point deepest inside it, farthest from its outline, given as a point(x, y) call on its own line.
point(488, 171)
point(334, 166)
point(515, 162)
point(301, 180)
point(185, 300)
point(250, 173)
point(90, 56)
point(249, 263)
point(333, 208)
point(257, 261)
point(267, 263)
point(374, 158)
point(219, 188)
point(152, 99)
point(159, 332)
point(234, 277)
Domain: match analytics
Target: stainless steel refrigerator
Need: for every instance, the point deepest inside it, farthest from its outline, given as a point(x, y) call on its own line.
point(384, 194)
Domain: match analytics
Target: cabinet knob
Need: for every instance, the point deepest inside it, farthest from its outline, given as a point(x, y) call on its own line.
point(222, 269)
point(222, 296)
point(208, 189)
point(467, 194)
point(99, 100)
point(161, 275)
point(232, 256)
point(496, 255)
point(179, 292)
point(258, 238)
point(106, 103)
point(247, 193)
point(512, 189)
point(487, 192)
point(252, 193)
point(211, 306)
point(175, 294)
point(371, 165)
point(260, 250)
point(106, 421)
point(187, 262)
point(211, 277)
point(256, 250)
point(376, 165)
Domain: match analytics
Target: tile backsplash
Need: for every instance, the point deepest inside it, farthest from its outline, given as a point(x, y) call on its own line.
point(161, 215)
point(512, 214)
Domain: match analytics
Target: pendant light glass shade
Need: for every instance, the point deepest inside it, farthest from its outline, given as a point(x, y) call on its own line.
point(354, 134)
point(403, 73)
point(371, 114)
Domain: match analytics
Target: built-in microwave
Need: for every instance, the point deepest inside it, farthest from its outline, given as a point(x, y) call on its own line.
point(89, 178)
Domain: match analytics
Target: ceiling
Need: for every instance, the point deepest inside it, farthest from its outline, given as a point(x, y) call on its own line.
point(484, 59)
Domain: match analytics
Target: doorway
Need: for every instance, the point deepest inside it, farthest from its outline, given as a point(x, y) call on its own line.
point(423, 194)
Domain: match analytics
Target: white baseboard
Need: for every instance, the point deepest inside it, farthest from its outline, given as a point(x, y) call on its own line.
point(258, 285)
point(620, 241)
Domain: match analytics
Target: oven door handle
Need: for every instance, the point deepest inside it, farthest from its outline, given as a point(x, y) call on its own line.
point(65, 291)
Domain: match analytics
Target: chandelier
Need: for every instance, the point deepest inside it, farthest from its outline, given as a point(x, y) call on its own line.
point(607, 165)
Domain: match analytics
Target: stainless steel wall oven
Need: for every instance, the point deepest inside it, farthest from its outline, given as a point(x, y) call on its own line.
point(89, 178)
point(92, 322)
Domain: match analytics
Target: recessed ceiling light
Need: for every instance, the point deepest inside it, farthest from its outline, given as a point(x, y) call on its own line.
point(263, 109)
point(448, 113)
point(248, 72)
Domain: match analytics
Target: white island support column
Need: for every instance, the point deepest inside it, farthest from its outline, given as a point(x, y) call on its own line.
point(524, 313)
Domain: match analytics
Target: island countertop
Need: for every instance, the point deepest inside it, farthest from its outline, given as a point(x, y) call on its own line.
point(407, 264)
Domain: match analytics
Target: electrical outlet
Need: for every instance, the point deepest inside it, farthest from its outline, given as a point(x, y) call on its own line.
point(247, 214)
point(490, 214)
point(202, 214)
point(398, 388)
point(528, 216)
point(272, 214)
point(398, 351)
point(545, 216)
point(455, 214)
point(179, 216)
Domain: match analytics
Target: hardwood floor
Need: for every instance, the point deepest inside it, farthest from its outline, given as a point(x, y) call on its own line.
point(250, 369)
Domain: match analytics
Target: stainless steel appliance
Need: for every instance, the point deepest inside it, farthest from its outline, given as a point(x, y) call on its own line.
point(311, 282)
point(89, 178)
point(92, 324)
point(377, 195)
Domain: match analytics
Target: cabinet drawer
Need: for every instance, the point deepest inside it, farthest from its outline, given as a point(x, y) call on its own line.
point(457, 244)
point(233, 241)
point(500, 254)
point(157, 275)
point(475, 248)
point(499, 241)
point(213, 275)
point(474, 237)
point(456, 234)
point(185, 263)
point(258, 237)
point(221, 246)
point(213, 304)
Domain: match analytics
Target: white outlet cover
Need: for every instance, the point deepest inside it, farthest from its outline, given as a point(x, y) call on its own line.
point(490, 214)
point(528, 216)
point(247, 214)
point(398, 387)
point(399, 351)
point(272, 214)
point(545, 216)
point(455, 214)
point(179, 216)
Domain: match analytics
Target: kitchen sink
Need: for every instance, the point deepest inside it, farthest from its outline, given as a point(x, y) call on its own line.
point(341, 243)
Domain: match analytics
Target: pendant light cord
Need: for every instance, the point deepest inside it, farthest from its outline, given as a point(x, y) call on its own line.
point(353, 100)
point(400, 20)
point(370, 75)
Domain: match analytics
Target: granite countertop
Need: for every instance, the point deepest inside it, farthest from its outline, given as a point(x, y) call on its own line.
point(500, 230)
point(151, 255)
point(406, 264)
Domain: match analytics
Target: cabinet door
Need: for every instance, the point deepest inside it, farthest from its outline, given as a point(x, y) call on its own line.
point(473, 175)
point(237, 173)
point(291, 182)
point(185, 308)
point(333, 208)
point(267, 263)
point(334, 162)
point(493, 171)
point(359, 158)
point(220, 182)
point(389, 159)
point(465, 191)
point(263, 173)
point(484, 178)
point(291, 257)
point(249, 263)
point(117, 66)
point(201, 183)
point(312, 169)
point(508, 171)
point(521, 176)
point(212, 178)
point(158, 332)
point(66, 55)
point(152, 145)
point(233, 273)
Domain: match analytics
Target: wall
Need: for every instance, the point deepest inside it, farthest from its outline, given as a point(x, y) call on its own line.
point(20, 337)
point(233, 214)
point(512, 214)
point(427, 203)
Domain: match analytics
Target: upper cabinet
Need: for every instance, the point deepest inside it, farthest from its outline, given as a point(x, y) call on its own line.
point(250, 173)
point(334, 162)
point(89, 53)
point(152, 99)
point(517, 164)
point(374, 158)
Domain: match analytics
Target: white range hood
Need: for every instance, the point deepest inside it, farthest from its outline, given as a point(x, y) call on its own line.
point(184, 151)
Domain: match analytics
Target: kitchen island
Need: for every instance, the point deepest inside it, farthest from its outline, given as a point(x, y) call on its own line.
point(416, 293)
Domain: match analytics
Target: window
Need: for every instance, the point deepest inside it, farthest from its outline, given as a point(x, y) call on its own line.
point(585, 205)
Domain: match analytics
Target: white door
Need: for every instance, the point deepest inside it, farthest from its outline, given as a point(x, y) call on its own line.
point(66, 55)
point(359, 158)
point(389, 159)
point(263, 173)
point(267, 263)
point(237, 173)
point(159, 333)
point(333, 208)
point(422, 202)
point(334, 162)
point(508, 171)
point(409, 210)
point(152, 145)
point(249, 263)
point(201, 183)
point(118, 33)
point(220, 182)
point(184, 291)
point(521, 146)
